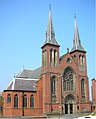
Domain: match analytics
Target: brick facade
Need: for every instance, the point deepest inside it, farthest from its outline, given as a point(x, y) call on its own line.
point(63, 85)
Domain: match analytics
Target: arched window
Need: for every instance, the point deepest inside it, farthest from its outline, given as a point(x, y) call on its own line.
point(55, 57)
point(83, 89)
point(68, 80)
point(8, 98)
point(16, 101)
point(74, 58)
point(43, 59)
point(68, 60)
point(53, 84)
point(80, 60)
point(83, 61)
point(83, 86)
point(25, 101)
point(51, 57)
point(53, 89)
point(31, 101)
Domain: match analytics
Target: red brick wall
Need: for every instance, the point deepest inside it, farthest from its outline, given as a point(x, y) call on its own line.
point(9, 109)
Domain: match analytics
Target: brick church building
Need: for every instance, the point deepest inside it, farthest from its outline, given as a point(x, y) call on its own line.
point(60, 85)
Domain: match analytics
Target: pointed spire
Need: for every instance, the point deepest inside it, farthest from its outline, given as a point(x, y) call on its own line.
point(76, 41)
point(50, 34)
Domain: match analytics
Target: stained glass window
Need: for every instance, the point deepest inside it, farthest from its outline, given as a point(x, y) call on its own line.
point(68, 80)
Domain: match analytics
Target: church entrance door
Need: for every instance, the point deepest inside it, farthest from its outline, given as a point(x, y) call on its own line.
point(69, 104)
point(66, 108)
point(71, 108)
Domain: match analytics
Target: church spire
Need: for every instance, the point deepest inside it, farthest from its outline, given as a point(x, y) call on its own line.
point(76, 41)
point(50, 34)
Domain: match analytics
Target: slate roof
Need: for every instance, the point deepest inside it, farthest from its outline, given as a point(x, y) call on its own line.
point(33, 74)
point(25, 80)
point(50, 34)
point(22, 84)
point(76, 41)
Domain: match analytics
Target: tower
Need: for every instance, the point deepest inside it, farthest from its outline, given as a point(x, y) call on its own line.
point(50, 62)
point(79, 56)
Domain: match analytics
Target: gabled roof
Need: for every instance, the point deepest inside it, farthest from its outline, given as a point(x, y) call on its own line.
point(22, 84)
point(76, 41)
point(62, 57)
point(25, 73)
point(33, 74)
point(25, 80)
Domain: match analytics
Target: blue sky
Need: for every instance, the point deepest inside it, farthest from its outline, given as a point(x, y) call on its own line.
point(23, 25)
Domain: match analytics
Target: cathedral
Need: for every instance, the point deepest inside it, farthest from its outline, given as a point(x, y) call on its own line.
point(59, 86)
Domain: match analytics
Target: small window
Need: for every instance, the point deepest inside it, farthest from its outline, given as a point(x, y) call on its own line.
point(51, 57)
point(25, 101)
point(68, 60)
point(16, 101)
point(31, 101)
point(53, 85)
point(8, 98)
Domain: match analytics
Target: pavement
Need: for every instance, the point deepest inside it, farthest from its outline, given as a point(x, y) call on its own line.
point(52, 117)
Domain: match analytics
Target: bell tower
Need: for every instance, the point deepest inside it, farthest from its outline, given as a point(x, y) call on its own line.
point(50, 48)
point(50, 62)
point(77, 51)
point(79, 56)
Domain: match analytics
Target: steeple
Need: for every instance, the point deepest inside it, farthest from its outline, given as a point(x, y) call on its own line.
point(76, 41)
point(50, 34)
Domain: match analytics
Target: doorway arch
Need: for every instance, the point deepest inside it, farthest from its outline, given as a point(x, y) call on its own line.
point(69, 104)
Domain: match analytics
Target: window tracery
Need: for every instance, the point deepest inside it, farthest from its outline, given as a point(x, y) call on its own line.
point(68, 80)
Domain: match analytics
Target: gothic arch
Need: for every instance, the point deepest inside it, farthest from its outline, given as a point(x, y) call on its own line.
point(69, 68)
point(83, 88)
point(53, 89)
point(16, 101)
point(69, 99)
point(69, 104)
point(8, 98)
point(44, 58)
point(32, 101)
point(69, 79)
point(51, 57)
